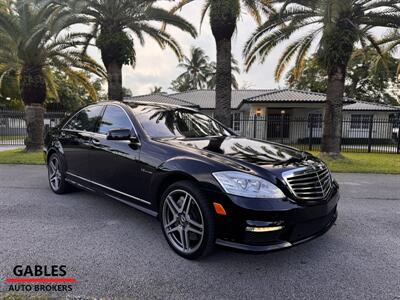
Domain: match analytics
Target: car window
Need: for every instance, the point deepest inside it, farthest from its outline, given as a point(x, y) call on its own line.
point(114, 118)
point(86, 119)
point(162, 122)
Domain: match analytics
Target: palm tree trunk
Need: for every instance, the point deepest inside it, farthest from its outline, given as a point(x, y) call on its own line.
point(33, 93)
point(332, 134)
point(34, 116)
point(223, 18)
point(223, 90)
point(114, 73)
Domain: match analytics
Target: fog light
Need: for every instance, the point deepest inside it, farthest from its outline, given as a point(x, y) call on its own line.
point(264, 229)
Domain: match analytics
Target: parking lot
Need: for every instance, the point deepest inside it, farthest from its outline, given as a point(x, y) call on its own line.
point(115, 251)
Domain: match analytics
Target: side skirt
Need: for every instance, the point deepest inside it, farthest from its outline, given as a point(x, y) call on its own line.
point(103, 192)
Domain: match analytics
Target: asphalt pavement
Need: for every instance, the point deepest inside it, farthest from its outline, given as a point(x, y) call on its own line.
point(115, 251)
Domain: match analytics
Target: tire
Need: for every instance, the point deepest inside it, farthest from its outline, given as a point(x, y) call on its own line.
point(56, 174)
point(187, 220)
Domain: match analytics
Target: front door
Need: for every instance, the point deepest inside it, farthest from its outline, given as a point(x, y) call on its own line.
point(115, 164)
point(76, 138)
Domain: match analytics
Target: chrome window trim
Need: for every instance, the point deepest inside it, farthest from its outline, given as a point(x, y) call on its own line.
point(231, 132)
point(92, 132)
point(129, 118)
point(73, 116)
point(111, 189)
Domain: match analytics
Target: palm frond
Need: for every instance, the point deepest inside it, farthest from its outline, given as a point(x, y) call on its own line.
point(83, 80)
point(51, 84)
point(204, 11)
point(161, 15)
point(341, 25)
point(254, 9)
point(34, 36)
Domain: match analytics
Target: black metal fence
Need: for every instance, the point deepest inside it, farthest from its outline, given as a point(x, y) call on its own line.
point(360, 133)
point(13, 125)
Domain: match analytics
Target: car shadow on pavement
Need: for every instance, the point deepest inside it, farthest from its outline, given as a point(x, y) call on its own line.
point(145, 230)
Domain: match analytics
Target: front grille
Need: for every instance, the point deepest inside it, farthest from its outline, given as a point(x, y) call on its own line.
point(310, 183)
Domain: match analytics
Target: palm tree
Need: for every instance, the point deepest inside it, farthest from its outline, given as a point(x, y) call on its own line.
point(224, 15)
point(156, 90)
point(197, 69)
point(181, 85)
point(336, 26)
point(31, 46)
point(212, 81)
point(114, 23)
point(368, 76)
point(126, 92)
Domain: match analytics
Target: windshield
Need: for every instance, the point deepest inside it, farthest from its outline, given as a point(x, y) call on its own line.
point(162, 121)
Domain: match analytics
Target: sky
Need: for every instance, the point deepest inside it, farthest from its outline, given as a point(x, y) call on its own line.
point(157, 67)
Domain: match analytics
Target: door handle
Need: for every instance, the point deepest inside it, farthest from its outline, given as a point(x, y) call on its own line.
point(96, 142)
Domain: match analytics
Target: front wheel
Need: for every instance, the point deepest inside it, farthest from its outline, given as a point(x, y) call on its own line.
point(56, 174)
point(187, 220)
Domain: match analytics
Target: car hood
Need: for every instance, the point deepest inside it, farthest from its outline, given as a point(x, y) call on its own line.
point(264, 154)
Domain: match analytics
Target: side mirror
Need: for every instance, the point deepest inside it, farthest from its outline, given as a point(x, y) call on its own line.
point(122, 135)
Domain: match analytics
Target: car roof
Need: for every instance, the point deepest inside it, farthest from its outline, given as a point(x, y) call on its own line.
point(143, 103)
point(157, 104)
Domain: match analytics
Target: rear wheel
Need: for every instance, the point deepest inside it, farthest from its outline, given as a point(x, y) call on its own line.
point(187, 220)
point(56, 174)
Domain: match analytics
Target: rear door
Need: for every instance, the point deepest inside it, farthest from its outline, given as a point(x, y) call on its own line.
point(76, 140)
point(115, 165)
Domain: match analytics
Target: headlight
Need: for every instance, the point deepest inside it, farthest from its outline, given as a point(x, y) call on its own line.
point(246, 185)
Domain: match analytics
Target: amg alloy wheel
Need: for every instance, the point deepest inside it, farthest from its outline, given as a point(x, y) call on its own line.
point(56, 173)
point(187, 221)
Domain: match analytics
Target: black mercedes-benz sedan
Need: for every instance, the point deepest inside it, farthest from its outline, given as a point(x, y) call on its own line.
point(206, 184)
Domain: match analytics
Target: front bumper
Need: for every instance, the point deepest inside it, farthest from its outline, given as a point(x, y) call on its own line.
point(279, 244)
point(298, 222)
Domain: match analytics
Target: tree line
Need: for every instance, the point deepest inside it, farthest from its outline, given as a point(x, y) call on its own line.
point(38, 39)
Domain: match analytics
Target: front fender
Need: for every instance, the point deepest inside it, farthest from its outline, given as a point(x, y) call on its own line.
point(199, 169)
point(183, 168)
point(52, 145)
point(196, 167)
